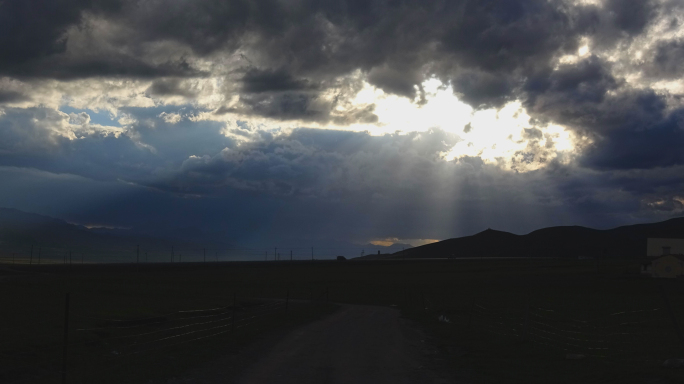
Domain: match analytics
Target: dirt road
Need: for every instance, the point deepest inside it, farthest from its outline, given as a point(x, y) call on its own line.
point(356, 344)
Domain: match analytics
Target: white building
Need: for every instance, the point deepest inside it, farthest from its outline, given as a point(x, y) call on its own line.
point(662, 247)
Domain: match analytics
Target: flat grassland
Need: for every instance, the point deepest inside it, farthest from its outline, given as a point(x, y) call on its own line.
point(491, 321)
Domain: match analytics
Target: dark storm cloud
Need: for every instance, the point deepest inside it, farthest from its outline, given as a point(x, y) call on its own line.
point(583, 83)
point(256, 81)
point(488, 50)
point(483, 89)
point(33, 28)
point(11, 96)
point(320, 163)
point(631, 16)
point(391, 41)
point(668, 59)
point(301, 60)
point(631, 128)
point(645, 146)
point(170, 87)
point(508, 35)
point(34, 41)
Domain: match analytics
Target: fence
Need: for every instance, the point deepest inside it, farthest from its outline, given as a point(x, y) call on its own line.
point(631, 336)
point(109, 344)
point(36, 254)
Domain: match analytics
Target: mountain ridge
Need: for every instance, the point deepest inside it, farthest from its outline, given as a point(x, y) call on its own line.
point(628, 241)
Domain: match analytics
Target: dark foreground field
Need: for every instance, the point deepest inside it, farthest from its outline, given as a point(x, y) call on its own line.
point(490, 321)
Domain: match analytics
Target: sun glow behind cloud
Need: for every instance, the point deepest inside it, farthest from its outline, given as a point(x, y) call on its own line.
point(494, 135)
point(393, 240)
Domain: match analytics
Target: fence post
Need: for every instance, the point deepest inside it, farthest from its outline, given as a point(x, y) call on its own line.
point(526, 331)
point(66, 338)
point(287, 299)
point(672, 315)
point(472, 311)
point(232, 324)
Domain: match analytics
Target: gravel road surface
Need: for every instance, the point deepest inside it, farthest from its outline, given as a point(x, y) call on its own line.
point(355, 345)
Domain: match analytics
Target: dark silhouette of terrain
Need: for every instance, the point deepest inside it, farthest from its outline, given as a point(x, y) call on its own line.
point(19, 230)
point(571, 241)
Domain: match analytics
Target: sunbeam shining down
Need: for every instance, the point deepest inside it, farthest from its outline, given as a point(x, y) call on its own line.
point(255, 123)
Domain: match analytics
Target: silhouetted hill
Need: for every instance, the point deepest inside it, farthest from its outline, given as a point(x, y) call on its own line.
point(374, 256)
point(21, 230)
point(572, 241)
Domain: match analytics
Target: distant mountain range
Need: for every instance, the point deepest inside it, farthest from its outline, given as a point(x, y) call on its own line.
point(19, 231)
point(55, 238)
point(572, 241)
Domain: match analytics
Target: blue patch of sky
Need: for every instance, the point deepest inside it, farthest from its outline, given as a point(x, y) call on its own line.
point(101, 117)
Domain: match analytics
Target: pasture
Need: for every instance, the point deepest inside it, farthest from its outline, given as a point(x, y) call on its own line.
point(491, 321)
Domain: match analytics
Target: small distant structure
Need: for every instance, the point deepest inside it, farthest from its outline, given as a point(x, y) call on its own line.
point(669, 266)
point(656, 247)
point(341, 258)
point(667, 258)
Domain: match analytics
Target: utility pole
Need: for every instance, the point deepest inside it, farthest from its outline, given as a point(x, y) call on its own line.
point(66, 338)
point(672, 315)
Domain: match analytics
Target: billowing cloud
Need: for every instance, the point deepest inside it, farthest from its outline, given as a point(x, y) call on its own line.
point(429, 112)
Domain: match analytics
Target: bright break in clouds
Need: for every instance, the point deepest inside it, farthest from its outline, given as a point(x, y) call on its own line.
point(396, 121)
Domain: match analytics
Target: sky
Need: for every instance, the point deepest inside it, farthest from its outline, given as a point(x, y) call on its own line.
point(262, 122)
